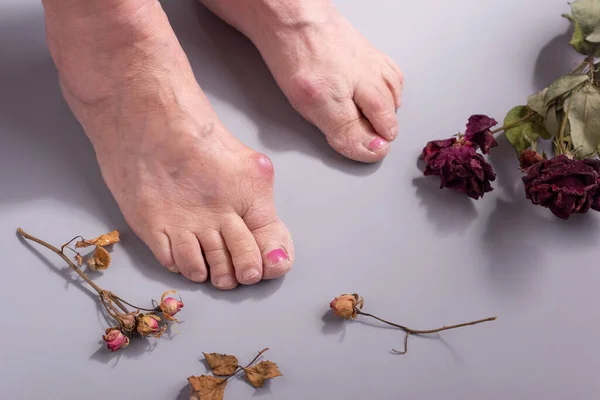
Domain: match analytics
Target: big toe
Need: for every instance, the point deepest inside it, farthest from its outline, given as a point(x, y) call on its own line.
point(273, 240)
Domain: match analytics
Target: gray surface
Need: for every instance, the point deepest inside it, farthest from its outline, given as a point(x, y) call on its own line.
point(419, 256)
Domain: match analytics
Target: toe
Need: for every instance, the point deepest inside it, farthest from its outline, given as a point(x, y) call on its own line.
point(394, 79)
point(188, 255)
point(351, 135)
point(243, 249)
point(222, 272)
point(273, 239)
point(160, 245)
point(377, 104)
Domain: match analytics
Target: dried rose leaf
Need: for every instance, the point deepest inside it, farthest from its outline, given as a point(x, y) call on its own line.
point(221, 364)
point(100, 260)
point(79, 259)
point(260, 372)
point(206, 387)
point(103, 240)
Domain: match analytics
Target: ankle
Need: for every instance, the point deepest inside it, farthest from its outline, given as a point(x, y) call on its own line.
point(268, 17)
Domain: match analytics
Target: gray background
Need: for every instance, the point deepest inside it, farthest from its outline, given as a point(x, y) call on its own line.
point(419, 256)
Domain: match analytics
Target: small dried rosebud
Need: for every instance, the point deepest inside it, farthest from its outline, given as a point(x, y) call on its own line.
point(147, 325)
point(459, 167)
point(564, 185)
point(115, 339)
point(346, 306)
point(169, 305)
point(528, 158)
point(127, 321)
point(478, 132)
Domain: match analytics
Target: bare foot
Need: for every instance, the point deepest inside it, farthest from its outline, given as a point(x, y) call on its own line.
point(327, 69)
point(192, 192)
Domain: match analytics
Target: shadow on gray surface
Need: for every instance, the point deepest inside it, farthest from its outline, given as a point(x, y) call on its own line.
point(184, 393)
point(512, 240)
point(332, 324)
point(229, 67)
point(449, 211)
point(137, 348)
point(555, 59)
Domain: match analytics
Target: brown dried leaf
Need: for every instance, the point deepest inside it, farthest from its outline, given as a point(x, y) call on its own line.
point(103, 240)
point(100, 260)
point(260, 372)
point(79, 259)
point(205, 387)
point(221, 364)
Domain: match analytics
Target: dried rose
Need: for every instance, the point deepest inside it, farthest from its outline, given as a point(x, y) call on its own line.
point(528, 158)
point(346, 306)
point(459, 166)
point(147, 325)
point(478, 132)
point(127, 321)
point(169, 305)
point(115, 339)
point(564, 185)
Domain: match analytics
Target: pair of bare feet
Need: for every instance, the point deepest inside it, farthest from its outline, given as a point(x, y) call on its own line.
point(200, 199)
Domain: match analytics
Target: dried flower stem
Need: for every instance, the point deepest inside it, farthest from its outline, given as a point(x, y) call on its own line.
point(240, 368)
point(422, 332)
point(104, 294)
point(517, 123)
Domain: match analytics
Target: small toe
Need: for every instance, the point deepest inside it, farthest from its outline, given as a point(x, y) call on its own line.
point(357, 140)
point(376, 102)
point(188, 255)
point(222, 272)
point(245, 254)
point(160, 245)
point(273, 239)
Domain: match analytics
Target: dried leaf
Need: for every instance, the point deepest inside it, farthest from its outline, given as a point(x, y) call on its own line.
point(103, 240)
point(221, 364)
point(79, 259)
point(260, 372)
point(564, 85)
point(205, 387)
point(100, 260)
point(584, 119)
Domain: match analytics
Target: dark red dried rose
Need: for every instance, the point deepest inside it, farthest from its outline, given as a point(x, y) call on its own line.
point(529, 157)
point(459, 166)
point(563, 185)
point(478, 131)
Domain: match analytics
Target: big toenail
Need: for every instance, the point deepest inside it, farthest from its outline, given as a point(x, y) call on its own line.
point(225, 281)
point(376, 144)
point(251, 275)
point(198, 276)
point(276, 256)
point(394, 132)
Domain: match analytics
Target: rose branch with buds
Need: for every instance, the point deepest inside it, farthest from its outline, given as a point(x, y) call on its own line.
point(349, 307)
point(567, 114)
point(129, 323)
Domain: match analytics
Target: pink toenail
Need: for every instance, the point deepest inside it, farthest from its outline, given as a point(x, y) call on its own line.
point(394, 132)
point(276, 256)
point(376, 144)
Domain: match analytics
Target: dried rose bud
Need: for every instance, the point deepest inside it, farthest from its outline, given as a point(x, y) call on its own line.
point(115, 339)
point(127, 321)
point(147, 325)
point(346, 306)
point(170, 306)
point(528, 158)
point(564, 185)
point(459, 166)
point(478, 132)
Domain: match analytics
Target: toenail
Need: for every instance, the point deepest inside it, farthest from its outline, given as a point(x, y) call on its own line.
point(225, 281)
point(393, 132)
point(276, 256)
point(198, 276)
point(250, 275)
point(376, 144)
